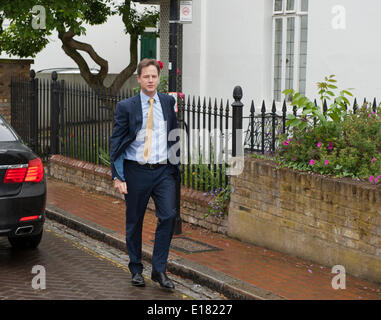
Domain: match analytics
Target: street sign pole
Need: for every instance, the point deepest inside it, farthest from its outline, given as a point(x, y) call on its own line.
point(172, 87)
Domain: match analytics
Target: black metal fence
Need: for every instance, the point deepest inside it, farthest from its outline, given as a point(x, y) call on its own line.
point(264, 128)
point(204, 143)
point(55, 117)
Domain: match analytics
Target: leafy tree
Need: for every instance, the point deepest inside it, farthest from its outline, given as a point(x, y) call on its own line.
point(68, 17)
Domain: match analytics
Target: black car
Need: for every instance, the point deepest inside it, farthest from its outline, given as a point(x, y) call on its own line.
point(22, 190)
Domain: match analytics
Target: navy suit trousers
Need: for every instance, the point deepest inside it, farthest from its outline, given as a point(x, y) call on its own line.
point(142, 183)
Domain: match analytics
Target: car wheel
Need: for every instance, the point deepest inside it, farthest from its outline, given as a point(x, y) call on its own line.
point(26, 242)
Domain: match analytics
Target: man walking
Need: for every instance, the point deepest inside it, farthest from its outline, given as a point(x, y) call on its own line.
point(142, 165)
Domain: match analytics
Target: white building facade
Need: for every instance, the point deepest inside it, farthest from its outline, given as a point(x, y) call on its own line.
point(267, 46)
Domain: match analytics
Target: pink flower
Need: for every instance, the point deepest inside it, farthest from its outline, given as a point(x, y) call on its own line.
point(376, 181)
point(285, 143)
point(181, 95)
point(372, 159)
point(326, 162)
point(330, 146)
point(160, 64)
point(312, 162)
point(319, 144)
point(371, 179)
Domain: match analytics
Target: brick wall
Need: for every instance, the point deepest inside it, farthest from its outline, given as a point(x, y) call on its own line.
point(325, 220)
point(194, 205)
point(9, 67)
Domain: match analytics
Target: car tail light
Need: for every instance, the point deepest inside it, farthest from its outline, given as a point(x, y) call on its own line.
point(16, 175)
point(33, 173)
point(29, 218)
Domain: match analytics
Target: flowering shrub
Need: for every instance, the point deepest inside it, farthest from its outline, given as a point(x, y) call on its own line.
point(347, 146)
point(218, 207)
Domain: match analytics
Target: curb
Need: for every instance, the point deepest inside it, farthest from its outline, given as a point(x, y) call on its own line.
point(218, 281)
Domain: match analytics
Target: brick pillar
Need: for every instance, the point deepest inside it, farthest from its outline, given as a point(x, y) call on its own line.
point(9, 67)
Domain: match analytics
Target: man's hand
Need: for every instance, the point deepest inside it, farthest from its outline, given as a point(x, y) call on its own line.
point(120, 186)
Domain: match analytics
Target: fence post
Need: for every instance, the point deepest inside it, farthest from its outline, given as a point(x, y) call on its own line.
point(54, 115)
point(252, 119)
point(263, 116)
point(33, 112)
point(61, 115)
point(355, 106)
point(237, 122)
point(273, 119)
point(284, 116)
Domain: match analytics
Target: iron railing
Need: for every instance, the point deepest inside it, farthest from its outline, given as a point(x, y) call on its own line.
point(55, 117)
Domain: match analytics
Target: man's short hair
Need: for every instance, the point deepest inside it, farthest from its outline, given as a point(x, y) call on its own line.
point(148, 62)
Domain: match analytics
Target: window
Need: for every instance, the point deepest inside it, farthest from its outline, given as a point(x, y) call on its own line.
point(290, 26)
point(278, 6)
point(5, 133)
point(290, 6)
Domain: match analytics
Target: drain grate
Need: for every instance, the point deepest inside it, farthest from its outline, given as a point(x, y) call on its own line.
point(189, 246)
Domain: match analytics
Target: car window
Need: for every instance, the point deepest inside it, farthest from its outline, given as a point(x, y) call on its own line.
point(5, 133)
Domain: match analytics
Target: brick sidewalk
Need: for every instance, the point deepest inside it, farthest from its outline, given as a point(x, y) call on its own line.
point(282, 275)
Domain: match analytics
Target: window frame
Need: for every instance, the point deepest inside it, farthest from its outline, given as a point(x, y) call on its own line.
point(284, 15)
point(294, 10)
point(278, 12)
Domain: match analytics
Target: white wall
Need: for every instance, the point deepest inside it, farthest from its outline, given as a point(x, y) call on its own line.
point(228, 44)
point(353, 54)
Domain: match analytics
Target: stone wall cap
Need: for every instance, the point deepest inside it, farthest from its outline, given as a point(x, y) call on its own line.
point(17, 61)
point(86, 166)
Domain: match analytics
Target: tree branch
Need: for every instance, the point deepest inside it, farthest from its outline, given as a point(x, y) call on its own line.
point(71, 47)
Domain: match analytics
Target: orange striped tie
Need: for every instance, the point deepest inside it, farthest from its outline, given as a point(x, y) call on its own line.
point(147, 142)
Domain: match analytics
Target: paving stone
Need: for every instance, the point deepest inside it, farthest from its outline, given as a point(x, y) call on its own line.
point(273, 273)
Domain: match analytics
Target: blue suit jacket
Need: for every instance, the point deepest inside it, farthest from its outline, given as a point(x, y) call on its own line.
point(128, 120)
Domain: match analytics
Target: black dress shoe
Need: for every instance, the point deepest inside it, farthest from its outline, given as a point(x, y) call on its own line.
point(137, 280)
point(162, 278)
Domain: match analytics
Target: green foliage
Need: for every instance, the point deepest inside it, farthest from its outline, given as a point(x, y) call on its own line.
point(163, 85)
point(104, 157)
point(344, 145)
point(134, 21)
point(336, 111)
point(85, 147)
point(218, 206)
